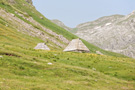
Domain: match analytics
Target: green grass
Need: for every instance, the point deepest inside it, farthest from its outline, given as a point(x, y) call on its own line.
point(23, 68)
point(76, 71)
point(28, 68)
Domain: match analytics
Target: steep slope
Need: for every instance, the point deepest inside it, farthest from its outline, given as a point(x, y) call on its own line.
point(22, 21)
point(37, 69)
point(114, 33)
point(23, 17)
point(23, 68)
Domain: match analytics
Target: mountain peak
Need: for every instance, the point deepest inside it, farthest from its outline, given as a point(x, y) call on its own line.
point(61, 24)
point(132, 13)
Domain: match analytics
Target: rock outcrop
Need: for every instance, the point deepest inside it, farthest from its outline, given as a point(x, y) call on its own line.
point(29, 1)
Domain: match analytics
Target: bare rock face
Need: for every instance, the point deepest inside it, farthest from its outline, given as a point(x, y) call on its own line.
point(114, 33)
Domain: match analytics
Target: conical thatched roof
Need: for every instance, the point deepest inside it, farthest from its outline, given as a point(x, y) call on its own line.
point(42, 46)
point(76, 45)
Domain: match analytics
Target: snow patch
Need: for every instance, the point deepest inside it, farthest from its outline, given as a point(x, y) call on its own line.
point(108, 24)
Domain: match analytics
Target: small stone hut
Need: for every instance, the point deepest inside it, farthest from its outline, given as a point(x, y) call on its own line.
point(42, 46)
point(76, 45)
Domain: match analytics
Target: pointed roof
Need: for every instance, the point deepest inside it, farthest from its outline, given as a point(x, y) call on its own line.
point(76, 45)
point(42, 46)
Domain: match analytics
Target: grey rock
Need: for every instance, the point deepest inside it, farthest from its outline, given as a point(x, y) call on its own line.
point(114, 33)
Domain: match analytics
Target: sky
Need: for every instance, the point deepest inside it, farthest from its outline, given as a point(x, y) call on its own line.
point(74, 12)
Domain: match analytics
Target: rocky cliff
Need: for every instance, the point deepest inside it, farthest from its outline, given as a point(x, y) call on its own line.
point(114, 33)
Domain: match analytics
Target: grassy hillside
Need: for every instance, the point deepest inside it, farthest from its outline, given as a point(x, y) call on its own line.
point(27, 69)
point(23, 7)
point(23, 68)
point(31, 71)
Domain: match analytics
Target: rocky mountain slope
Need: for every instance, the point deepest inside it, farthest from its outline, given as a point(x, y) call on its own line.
point(114, 33)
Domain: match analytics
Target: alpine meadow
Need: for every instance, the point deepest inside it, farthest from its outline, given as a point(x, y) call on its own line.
point(22, 67)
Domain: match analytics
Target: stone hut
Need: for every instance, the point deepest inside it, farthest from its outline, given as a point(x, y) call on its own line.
point(42, 46)
point(76, 45)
